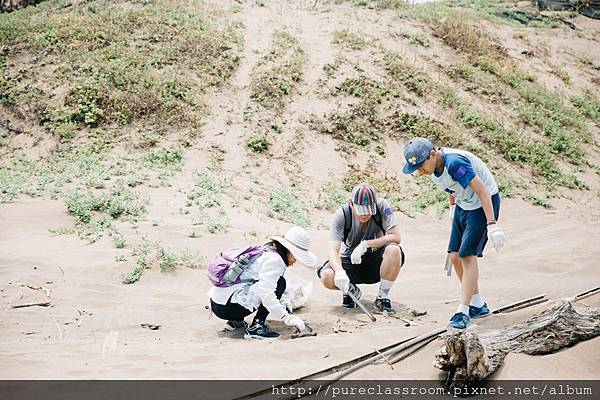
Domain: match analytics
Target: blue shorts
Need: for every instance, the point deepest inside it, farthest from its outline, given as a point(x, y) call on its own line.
point(469, 230)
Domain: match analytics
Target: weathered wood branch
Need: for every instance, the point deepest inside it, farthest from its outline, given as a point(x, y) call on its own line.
point(471, 356)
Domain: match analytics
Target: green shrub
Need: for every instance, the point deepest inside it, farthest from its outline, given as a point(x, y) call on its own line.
point(258, 143)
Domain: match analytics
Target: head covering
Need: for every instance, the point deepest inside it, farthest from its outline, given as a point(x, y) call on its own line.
point(297, 241)
point(364, 199)
point(416, 152)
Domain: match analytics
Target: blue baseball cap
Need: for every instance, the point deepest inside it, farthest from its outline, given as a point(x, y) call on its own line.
point(416, 151)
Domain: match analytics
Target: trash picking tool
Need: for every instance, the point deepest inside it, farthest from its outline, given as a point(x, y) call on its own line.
point(362, 306)
point(448, 265)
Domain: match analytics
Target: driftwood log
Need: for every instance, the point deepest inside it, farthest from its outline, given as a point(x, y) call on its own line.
point(469, 356)
point(11, 5)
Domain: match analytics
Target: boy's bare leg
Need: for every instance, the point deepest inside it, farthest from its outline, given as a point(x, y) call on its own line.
point(469, 280)
point(458, 268)
point(391, 263)
point(457, 264)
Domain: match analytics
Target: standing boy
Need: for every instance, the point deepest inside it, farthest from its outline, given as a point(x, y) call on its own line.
point(474, 208)
point(364, 247)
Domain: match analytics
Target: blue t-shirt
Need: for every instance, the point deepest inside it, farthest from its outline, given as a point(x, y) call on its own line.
point(460, 167)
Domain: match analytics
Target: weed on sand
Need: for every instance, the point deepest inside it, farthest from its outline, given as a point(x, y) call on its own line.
point(207, 189)
point(278, 72)
point(286, 206)
point(331, 196)
point(353, 40)
point(148, 254)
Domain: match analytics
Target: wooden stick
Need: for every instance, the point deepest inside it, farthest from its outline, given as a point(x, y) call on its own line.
point(514, 306)
point(374, 356)
point(586, 294)
point(390, 352)
point(323, 372)
point(41, 304)
point(413, 350)
point(434, 334)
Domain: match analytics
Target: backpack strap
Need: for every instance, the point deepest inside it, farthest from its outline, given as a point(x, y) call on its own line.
point(347, 220)
point(378, 218)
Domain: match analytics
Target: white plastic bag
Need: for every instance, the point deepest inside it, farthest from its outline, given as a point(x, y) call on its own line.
point(296, 293)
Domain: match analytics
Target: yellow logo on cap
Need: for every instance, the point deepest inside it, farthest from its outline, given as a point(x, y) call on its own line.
point(412, 160)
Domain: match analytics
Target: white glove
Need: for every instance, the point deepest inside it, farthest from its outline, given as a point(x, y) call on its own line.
point(294, 320)
point(496, 236)
point(452, 208)
point(341, 281)
point(356, 256)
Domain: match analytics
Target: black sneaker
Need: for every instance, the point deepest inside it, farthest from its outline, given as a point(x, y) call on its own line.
point(347, 300)
point(232, 326)
point(260, 330)
point(384, 306)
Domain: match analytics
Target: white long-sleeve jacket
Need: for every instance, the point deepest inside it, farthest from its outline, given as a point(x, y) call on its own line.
point(264, 273)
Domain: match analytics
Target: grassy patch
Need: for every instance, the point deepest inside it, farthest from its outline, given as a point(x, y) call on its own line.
point(121, 63)
point(512, 144)
point(562, 74)
point(148, 254)
point(417, 39)
point(588, 105)
point(405, 73)
point(537, 106)
point(214, 224)
point(380, 4)
point(377, 114)
point(331, 196)
point(506, 186)
point(385, 185)
point(507, 12)
point(480, 82)
point(540, 200)
point(278, 72)
point(357, 126)
point(94, 211)
point(207, 189)
point(258, 143)
point(350, 39)
point(427, 195)
point(407, 125)
point(286, 206)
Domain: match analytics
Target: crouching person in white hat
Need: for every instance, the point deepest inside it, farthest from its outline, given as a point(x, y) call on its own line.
point(261, 284)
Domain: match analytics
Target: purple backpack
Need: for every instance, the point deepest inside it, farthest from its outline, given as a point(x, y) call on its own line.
point(219, 266)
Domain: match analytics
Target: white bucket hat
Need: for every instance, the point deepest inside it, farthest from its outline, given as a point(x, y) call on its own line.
point(297, 241)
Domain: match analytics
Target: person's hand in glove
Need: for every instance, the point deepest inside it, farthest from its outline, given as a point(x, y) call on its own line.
point(356, 256)
point(294, 320)
point(496, 236)
point(341, 281)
